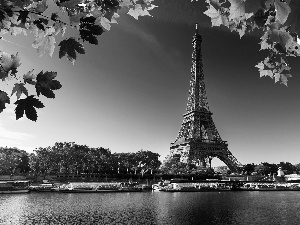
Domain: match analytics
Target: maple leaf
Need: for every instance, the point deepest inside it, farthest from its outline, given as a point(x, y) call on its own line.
point(217, 17)
point(28, 105)
point(282, 11)
point(293, 19)
point(8, 63)
point(262, 71)
point(3, 100)
point(71, 4)
point(126, 3)
point(28, 78)
point(45, 84)
point(237, 9)
point(215, 3)
point(23, 15)
point(280, 36)
point(268, 4)
point(284, 78)
point(59, 28)
point(264, 44)
point(45, 42)
point(70, 47)
point(88, 30)
point(20, 3)
point(19, 89)
point(41, 6)
point(105, 23)
point(138, 11)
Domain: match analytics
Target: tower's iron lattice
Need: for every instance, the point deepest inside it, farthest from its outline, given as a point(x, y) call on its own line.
point(198, 140)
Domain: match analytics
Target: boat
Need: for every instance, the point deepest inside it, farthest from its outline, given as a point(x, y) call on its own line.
point(81, 187)
point(42, 187)
point(194, 187)
point(130, 187)
point(268, 187)
point(14, 187)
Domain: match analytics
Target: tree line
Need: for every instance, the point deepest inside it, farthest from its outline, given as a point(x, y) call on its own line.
point(71, 158)
point(65, 158)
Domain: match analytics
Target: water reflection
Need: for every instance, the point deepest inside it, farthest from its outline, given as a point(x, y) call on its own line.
point(151, 208)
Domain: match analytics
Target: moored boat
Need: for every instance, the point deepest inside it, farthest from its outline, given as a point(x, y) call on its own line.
point(42, 187)
point(14, 187)
point(81, 187)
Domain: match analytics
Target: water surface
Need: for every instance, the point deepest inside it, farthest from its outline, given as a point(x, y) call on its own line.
point(151, 208)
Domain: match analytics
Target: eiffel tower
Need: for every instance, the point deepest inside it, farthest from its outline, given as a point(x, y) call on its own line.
point(198, 140)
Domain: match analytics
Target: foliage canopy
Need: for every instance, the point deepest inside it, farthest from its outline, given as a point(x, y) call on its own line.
point(45, 19)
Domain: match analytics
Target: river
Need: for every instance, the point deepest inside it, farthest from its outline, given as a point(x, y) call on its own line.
point(151, 208)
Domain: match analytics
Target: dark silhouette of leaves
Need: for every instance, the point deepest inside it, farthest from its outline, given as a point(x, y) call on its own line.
point(45, 84)
point(28, 105)
point(108, 4)
point(70, 47)
point(23, 16)
point(40, 23)
point(88, 30)
point(3, 99)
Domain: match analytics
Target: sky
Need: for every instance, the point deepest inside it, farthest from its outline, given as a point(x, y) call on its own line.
point(130, 92)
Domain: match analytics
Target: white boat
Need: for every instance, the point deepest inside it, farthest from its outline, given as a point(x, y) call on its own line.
point(14, 187)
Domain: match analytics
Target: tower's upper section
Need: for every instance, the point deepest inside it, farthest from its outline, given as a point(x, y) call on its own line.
point(197, 100)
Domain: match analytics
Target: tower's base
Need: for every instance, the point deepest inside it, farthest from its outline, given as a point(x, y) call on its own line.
point(201, 153)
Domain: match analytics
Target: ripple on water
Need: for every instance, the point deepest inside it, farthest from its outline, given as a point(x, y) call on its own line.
point(150, 208)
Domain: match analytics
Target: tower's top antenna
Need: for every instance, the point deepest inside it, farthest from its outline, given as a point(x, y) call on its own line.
point(196, 28)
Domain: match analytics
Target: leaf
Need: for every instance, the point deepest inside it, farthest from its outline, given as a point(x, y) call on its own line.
point(45, 42)
point(264, 44)
point(45, 84)
point(215, 3)
point(126, 3)
point(8, 63)
point(237, 9)
point(19, 89)
point(105, 23)
point(70, 47)
point(3, 100)
point(293, 19)
point(88, 30)
point(23, 15)
point(282, 11)
point(41, 6)
point(71, 4)
point(138, 11)
point(280, 71)
point(28, 78)
point(217, 18)
point(28, 105)
point(284, 78)
point(280, 36)
point(262, 71)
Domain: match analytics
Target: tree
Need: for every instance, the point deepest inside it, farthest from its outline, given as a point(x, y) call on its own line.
point(287, 167)
point(34, 164)
point(262, 169)
point(147, 160)
point(172, 165)
point(249, 168)
point(277, 19)
point(9, 160)
point(24, 163)
point(297, 168)
point(44, 19)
